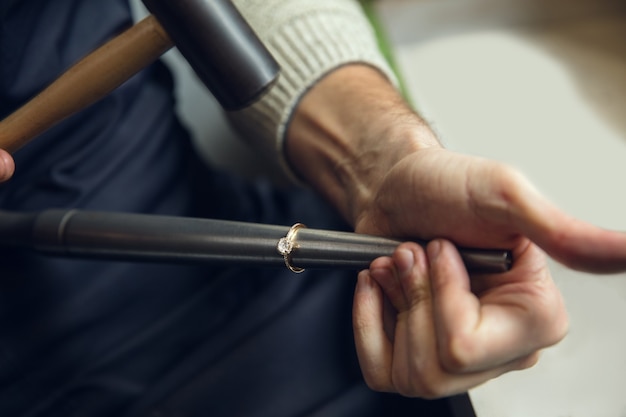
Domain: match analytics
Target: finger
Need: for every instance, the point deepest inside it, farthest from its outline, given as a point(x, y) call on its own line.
point(527, 301)
point(522, 313)
point(573, 242)
point(412, 273)
point(383, 271)
point(374, 350)
point(530, 264)
point(415, 349)
point(7, 166)
point(585, 247)
point(456, 309)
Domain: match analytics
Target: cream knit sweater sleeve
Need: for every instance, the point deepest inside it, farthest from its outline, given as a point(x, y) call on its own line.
point(308, 38)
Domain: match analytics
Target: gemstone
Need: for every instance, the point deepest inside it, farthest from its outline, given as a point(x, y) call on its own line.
point(285, 246)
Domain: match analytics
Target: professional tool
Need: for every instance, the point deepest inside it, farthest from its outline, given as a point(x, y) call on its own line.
point(138, 237)
point(212, 35)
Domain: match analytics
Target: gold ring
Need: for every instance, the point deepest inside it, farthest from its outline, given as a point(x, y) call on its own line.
point(287, 244)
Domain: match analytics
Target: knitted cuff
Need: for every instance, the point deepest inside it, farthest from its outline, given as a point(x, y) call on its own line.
point(313, 39)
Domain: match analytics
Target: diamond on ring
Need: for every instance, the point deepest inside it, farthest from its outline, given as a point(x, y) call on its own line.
point(287, 244)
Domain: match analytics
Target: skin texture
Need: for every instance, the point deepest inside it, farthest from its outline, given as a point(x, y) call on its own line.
point(422, 328)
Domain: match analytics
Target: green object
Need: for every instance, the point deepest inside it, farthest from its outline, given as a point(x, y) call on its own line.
point(384, 44)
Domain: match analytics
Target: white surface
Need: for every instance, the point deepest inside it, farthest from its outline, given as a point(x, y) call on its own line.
point(551, 100)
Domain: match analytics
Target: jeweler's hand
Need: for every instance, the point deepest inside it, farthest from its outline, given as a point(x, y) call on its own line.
point(7, 166)
point(356, 141)
point(437, 337)
point(435, 193)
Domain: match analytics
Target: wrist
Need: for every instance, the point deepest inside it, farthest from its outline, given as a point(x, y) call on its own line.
point(348, 131)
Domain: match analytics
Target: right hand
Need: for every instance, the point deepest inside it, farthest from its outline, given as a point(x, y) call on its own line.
point(7, 165)
point(441, 334)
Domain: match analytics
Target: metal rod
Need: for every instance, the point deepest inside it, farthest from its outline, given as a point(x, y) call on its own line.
point(141, 237)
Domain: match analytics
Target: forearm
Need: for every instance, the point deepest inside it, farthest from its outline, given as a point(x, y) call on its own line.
point(334, 118)
point(309, 39)
point(348, 131)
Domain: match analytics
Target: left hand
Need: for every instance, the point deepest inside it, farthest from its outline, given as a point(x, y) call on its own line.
point(356, 141)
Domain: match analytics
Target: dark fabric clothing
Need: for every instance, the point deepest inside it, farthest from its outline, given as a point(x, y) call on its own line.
point(96, 338)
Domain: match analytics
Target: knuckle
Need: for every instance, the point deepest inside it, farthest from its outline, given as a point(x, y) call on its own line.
point(457, 354)
point(496, 198)
point(419, 294)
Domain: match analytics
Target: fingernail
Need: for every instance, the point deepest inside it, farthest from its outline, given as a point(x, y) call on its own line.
point(433, 249)
point(405, 260)
point(364, 282)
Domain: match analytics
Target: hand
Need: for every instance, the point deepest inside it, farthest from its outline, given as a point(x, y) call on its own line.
point(356, 141)
point(444, 335)
point(7, 166)
point(474, 202)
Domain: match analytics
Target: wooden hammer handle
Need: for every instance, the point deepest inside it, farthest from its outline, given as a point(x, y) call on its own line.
point(86, 82)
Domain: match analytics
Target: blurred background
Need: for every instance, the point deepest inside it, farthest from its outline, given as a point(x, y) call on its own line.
point(538, 84)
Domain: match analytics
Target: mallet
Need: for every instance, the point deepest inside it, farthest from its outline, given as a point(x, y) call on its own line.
point(212, 35)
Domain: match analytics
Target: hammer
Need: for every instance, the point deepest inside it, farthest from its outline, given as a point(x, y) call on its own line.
point(212, 35)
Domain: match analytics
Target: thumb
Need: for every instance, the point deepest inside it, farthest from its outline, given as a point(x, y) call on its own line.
point(571, 241)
